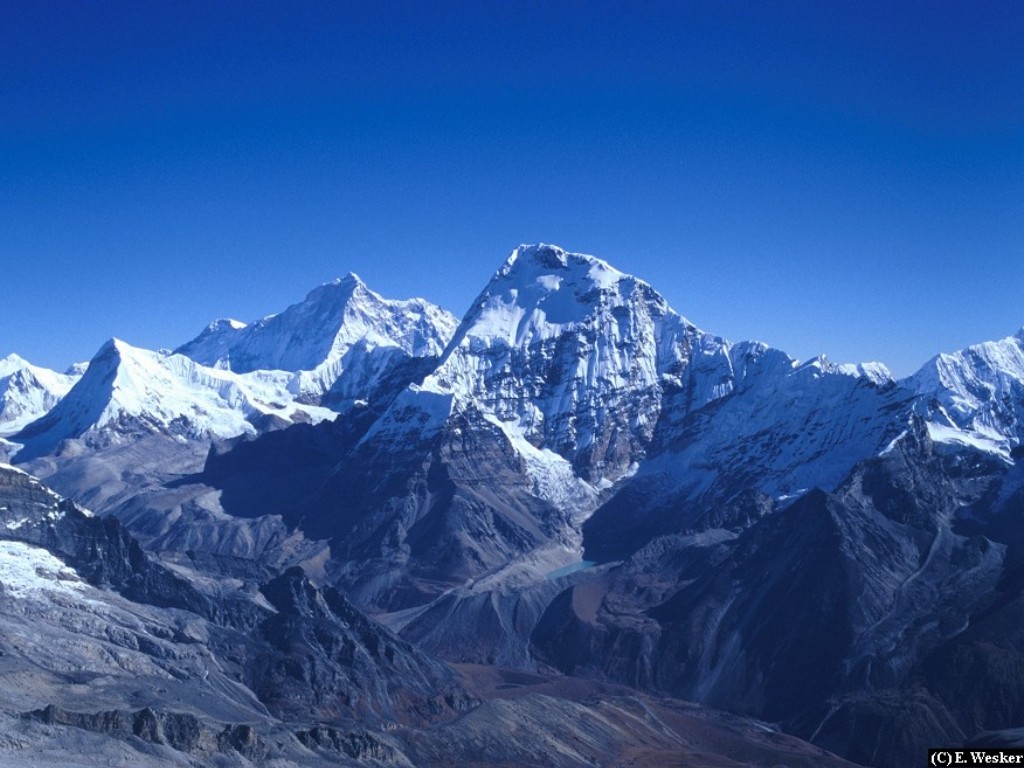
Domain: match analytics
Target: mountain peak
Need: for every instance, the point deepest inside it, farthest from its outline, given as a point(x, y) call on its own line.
point(28, 391)
point(542, 291)
point(113, 352)
point(113, 344)
point(539, 254)
point(12, 363)
point(352, 277)
point(530, 261)
point(329, 301)
point(349, 280)
point(555, 340)
point(341, 330)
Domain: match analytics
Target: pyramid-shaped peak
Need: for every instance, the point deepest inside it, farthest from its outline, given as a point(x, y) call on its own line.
point(350, 281)
point(352, 277)
point(318, 332)
point(111, 347)
point(111, 358)
point(543, 291)
point(121, 348)
point(339, 288)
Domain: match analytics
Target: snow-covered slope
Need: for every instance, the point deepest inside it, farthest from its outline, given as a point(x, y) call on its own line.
point(28, 391)
point(128, 392)
point(570, 357)
point(342, 339)
point(975, 396)
point(579, 363)
point(789, 426)
point(784, 428)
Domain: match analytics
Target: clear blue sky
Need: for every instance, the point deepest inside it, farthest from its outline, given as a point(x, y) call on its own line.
point(837, 177)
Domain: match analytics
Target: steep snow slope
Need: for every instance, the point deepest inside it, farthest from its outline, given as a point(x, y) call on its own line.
point(343, 339)
point(129, 392)
point(784, 429)
point(28, 391)
point(569, 356)
point(975, 396)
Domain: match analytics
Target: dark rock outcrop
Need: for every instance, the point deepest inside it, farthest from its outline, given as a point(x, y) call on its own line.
point(320, 655)
point(180, 731)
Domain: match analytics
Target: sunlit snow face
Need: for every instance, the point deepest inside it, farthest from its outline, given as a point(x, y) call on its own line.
point(27, 571)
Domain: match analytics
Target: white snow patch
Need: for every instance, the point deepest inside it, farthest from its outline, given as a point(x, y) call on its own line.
point(893, 443)
point(875, 372)
point(792, 496)
point(549, 282)
point(26, 571)
point(553, 477)
point(989, 443)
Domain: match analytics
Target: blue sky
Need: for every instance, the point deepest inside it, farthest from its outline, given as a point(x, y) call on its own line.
point(843, 177)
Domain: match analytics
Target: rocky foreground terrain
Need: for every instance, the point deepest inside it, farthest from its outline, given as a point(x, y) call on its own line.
point(111, 658)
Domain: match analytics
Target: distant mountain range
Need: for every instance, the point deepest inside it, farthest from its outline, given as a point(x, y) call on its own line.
point(572, 480)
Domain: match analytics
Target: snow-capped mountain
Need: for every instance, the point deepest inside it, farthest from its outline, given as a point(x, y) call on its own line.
point(570, 358)
point(976, 396)
point(553, 382)
point(584, 374)
point(342, 341)
point(752, 516)
point(565, 378)
point(569, 355)
point(783, 429)
point(127, 392)
point(28, 391)
point(593, 377)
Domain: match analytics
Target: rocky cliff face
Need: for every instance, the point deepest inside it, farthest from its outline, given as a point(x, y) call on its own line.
point(976, 395)
point(783, 430)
